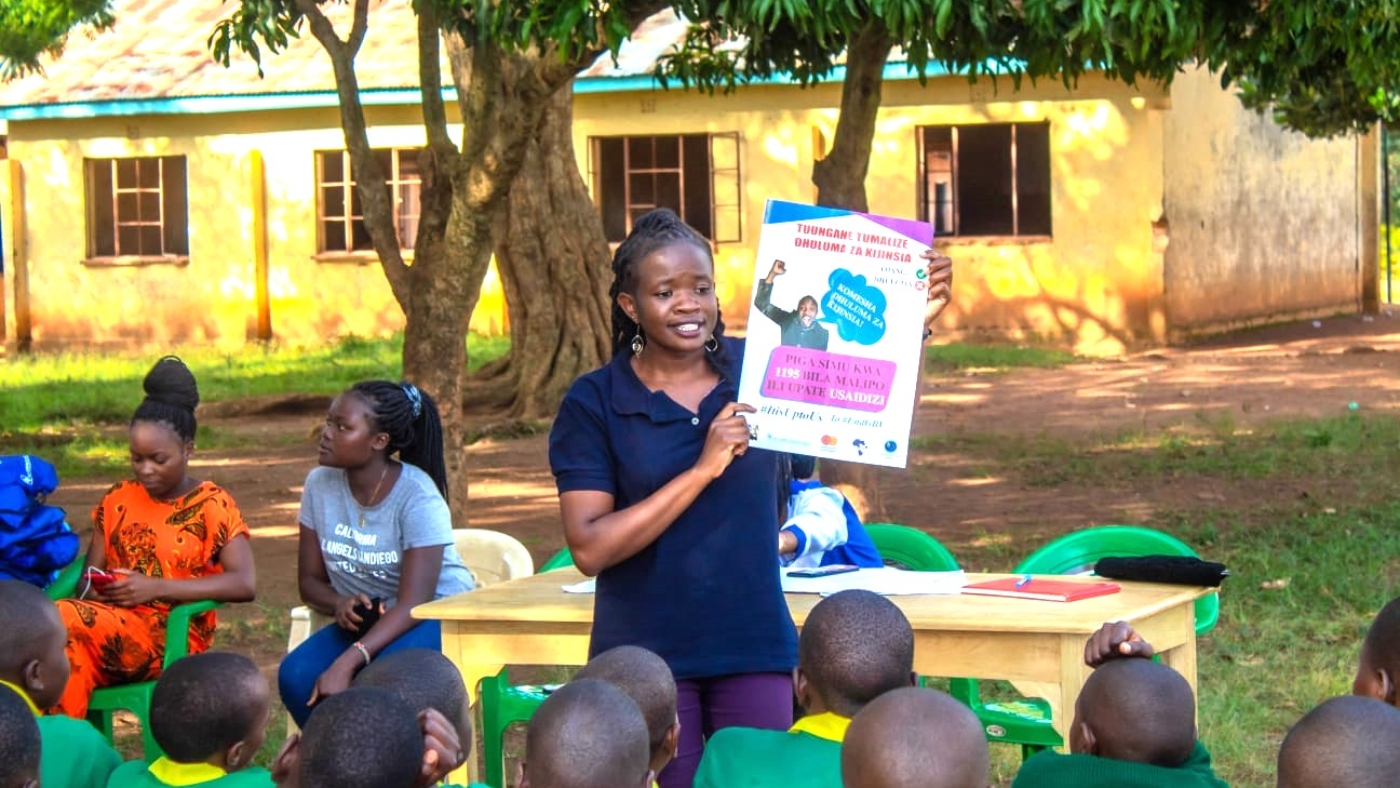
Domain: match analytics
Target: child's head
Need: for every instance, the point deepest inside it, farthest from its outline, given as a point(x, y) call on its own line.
point(1378, 669)
point(1135, 710)
point(163, 428)
point(1346, 741)
point(647, 680)
point(662, 258)
point(423, 679)
point(211, 708)
point(364, 737)
point(915, 738)
point(32, 640)
point(855, 646)
point(804, 466)
point(586, 734)
point(381, 417)
point(19, 743)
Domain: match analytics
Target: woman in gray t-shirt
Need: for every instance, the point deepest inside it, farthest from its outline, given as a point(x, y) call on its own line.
point(376, 538)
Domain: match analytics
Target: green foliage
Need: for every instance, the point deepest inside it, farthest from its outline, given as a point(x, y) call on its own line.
point(30, 29)
point(1324, 68)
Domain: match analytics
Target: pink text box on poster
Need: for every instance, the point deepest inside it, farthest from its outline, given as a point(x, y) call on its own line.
point(819, 378)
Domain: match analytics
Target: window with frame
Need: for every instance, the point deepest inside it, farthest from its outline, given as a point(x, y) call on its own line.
point(695, 175)
point(990, 179)
point(137, 207)
point(340, 218)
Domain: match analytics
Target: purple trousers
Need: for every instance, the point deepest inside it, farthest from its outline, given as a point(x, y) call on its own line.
point(752, 700)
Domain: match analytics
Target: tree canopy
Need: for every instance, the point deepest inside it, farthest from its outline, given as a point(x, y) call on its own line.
point(1324, 68)
point(29, 29)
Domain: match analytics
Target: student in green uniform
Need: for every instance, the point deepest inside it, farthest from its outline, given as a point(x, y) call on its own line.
point(1346, 741)
point(19, 742)
point(1134, 724)
point(855, 646)
point(209, 716)
point(34, 665)
point(586, 734)
point(915, 738)
point(646, 679)
point(425, 680)
point(364, 737)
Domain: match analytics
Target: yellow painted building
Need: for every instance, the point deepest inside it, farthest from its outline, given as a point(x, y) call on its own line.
point(154, 197)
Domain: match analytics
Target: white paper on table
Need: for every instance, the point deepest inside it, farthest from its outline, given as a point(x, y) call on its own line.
point(581, 587)
point(887, 581)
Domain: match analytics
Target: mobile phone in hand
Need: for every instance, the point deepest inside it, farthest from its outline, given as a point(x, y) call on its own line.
point(369, 616)
point(823, 571)
point(99, 578)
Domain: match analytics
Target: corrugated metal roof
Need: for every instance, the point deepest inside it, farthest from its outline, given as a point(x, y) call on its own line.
point(158, 50)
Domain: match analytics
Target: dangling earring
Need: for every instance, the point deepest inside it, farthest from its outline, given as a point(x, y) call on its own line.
point(712, 344)
point(639, 342)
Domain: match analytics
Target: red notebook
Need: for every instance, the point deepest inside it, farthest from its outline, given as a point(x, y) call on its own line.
point(1042, 588)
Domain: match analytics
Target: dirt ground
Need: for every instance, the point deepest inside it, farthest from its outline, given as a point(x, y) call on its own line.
point(1304, 369)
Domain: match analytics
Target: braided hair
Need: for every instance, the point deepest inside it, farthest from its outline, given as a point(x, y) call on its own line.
point(654, 230)
point(410, 417)
point(171, 397)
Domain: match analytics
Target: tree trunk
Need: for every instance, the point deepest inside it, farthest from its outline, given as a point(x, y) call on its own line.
point(840, 181)
point(553, 260)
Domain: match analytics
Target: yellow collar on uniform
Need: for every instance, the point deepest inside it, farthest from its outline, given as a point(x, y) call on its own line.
point(172, 773)
point(827, 725)
point(28, 700)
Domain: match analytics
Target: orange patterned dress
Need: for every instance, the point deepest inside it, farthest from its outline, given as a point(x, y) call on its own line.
point(176, 539)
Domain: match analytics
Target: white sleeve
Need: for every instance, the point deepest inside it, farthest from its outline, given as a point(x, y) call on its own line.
point(820, 514)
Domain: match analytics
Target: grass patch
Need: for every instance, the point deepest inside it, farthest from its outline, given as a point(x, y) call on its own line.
point(79, 389)
point(96, 451)
point(995, 357)
point(1363, 448)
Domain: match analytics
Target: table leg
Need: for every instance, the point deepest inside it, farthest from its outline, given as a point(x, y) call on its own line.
point(1182, 659)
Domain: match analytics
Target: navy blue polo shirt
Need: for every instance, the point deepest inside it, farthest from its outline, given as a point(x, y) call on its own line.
point(706, 595)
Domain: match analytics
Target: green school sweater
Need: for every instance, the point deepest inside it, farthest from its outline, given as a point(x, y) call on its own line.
point(806, 756)
point(1051, 769)
point(138, 774)
point(73, 754)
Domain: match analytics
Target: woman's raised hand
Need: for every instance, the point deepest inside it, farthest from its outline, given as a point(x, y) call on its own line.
point(727, 439)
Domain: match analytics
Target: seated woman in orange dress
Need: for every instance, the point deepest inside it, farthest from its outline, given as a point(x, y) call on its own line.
point(166, 537)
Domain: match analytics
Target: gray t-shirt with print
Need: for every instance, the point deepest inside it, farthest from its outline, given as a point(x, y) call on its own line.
point(367, 559)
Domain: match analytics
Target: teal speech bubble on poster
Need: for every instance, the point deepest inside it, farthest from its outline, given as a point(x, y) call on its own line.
point(856, 308)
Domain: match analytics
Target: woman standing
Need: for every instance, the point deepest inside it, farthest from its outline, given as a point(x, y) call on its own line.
point(662, 500)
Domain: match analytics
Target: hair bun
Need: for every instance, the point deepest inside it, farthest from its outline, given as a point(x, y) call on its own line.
point(172, 383)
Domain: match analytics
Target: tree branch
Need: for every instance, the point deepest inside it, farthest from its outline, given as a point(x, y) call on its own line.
point(430, 77)
point(376, 202)
point(359, 27)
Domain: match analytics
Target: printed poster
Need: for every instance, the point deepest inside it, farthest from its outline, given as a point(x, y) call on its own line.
point(835, 334)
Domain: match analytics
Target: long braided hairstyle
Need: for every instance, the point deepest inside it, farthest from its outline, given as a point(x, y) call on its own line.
point(652, 231)
point(171, 397)
point(410, 417)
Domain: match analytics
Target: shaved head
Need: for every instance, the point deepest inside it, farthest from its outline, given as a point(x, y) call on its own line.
point(1378, 670)
point(915, 738)
point(32, 640)
point(645, 678)
point(587, 734)
point(1135, 710)
point(1346, 741)
point(855, 646)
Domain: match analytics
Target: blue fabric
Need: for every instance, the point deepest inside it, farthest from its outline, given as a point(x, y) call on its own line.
point(706, 594)
point(35, 542)
point(299, 670)
point(859, 549)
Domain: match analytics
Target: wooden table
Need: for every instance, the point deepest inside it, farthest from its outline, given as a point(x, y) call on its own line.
point(1037, 646)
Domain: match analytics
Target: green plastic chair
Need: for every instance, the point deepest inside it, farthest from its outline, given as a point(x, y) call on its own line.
point(910, 548)
point(503, 704)
point(136, 698)
point(65, 586)
point(1027, 722)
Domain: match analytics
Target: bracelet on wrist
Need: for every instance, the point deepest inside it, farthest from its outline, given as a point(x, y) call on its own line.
point(364, 652)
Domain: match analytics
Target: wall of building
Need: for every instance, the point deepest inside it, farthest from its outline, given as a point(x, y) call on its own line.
point(1095, 283)
point(212, 299)
point(1263, 223)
